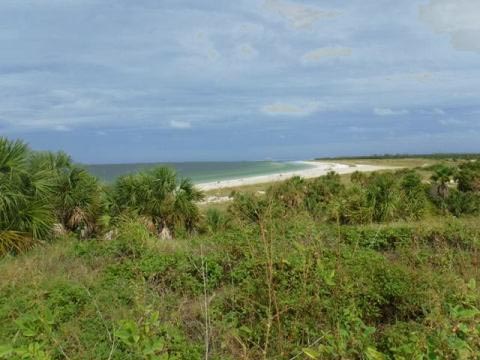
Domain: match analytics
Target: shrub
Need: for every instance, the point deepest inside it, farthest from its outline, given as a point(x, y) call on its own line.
point(383, 196)
point(351, 207)
point(248, 207)
point(26, 195)
point(413, 199)
point(468, 177)
point(216, 220)
point(321, 192)
point(156, 195)
point(462, 203)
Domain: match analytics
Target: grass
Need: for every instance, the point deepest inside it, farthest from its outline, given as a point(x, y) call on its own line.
point(274, 277)
point(392, 288)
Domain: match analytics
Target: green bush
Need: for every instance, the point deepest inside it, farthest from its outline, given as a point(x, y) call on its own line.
point(468, 177)
point(463, 203)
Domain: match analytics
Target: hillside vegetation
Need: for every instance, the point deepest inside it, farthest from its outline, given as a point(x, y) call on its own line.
point(385, 266)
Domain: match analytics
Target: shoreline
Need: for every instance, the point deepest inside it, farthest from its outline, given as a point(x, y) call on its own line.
point(317, 169)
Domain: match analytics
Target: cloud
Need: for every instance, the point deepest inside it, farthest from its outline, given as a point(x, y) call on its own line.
point(200, 44)
point(452, 122)
point(213, 71)
point(457, 18)
point(291, 109)
point(62, 128)
point(435, 111)
point(389, 112)
point(298, 16)
point(423, 77)
point(245, 52)
point(320, 54)
point(179, 124)
point(419, 77)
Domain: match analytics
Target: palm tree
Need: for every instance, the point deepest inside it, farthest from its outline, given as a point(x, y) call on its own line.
point(382, 196)
point(157, 196)
point(25, 208)
point(468, 177)
point(78, 200)
point(441, 177)
point(185, 210)
point(39, 189)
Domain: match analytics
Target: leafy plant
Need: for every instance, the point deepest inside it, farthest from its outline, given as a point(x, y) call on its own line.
point(156, 195)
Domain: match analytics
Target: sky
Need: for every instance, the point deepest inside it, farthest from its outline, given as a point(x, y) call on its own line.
point(187, 80)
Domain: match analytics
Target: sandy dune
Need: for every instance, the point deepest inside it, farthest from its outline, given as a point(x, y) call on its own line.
point(317, 169)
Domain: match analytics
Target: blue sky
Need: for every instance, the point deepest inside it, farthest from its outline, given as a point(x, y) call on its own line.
point(178, 80)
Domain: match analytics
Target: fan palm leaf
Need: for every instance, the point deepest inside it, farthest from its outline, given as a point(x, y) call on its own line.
point(156, 195)
point(15, 241)
point(13, 156)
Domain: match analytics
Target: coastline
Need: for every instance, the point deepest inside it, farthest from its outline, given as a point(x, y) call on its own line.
point(316, 169)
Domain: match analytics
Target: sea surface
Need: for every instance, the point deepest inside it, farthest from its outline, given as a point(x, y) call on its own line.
point(201, 172)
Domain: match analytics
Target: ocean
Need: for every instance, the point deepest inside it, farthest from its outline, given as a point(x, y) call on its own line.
point(201, 172)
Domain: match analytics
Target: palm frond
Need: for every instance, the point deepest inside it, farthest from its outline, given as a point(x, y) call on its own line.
point(15, 241)
point(12, 156)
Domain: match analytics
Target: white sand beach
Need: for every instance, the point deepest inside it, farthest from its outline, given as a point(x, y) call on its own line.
point(317, 169)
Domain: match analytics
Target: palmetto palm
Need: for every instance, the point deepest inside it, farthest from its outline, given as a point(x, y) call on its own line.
point(77, 199)
point(156, 195)
point(25, 207)
point(383, 197)
point(185, 210)
point(442, 176)
point(77, 194)
point(37, 189)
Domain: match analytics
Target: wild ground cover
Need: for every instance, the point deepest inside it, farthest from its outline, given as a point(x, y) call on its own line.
point(384, 266)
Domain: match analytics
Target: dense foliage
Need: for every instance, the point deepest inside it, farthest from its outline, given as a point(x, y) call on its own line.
point(155, 194)
point(46, 194)
point(38, 190)
point(382, 266)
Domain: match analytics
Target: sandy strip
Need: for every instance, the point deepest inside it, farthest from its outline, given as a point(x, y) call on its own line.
point(317, 169)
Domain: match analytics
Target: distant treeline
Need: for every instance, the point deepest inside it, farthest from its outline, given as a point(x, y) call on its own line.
point(439, 156)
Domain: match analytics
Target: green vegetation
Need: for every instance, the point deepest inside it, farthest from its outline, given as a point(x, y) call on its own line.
point(155, 195)
point(385, 266)
point(438, 156)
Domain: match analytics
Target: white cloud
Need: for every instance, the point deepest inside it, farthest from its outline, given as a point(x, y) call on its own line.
point(245, 52)
point(296, 15)
point(389, 112)
point(318, 55)
point(435, 111)
point(452, 122)
point(61, 128)
point(420, 77)
point(178, 124)
point(291, 109)
point(200, 44)
point(438, 111)
point(423, 77)
point(458, 18)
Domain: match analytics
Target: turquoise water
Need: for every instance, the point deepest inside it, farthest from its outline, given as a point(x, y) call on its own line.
point(201, 172)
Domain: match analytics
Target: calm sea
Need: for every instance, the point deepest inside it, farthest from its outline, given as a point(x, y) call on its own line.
point(201, 172)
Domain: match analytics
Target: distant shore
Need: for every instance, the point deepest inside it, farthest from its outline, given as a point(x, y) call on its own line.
point(316, 169)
